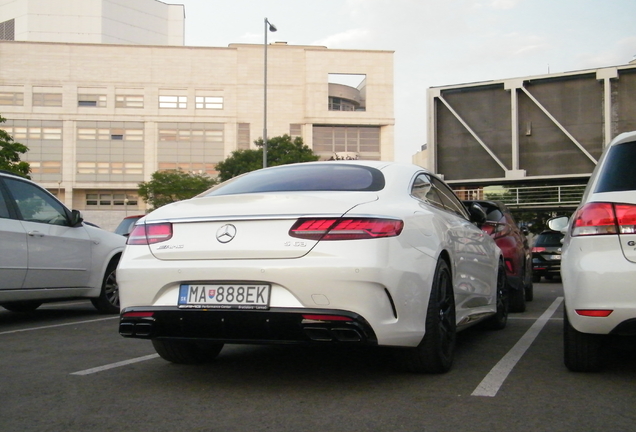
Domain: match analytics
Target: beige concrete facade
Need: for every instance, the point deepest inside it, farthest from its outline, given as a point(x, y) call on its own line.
point(100, 118)
point(138, 22)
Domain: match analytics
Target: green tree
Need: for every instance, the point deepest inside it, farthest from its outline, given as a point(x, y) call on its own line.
point(10, 152)
point(280, 151)
point(166, 187)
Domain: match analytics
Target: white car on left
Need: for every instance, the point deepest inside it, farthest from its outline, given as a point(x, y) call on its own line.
point(48, 253)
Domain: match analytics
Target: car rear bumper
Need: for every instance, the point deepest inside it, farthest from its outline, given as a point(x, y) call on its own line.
point(546, 268)
point(596, 276)
point(274, 326)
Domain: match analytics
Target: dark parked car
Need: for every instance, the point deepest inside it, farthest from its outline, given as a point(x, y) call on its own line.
point(546, 255)
point(127, 224)
point(502, 227)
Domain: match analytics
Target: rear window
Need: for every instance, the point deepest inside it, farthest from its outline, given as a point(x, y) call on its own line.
point(618, 173)
point(549, 239)
point(303, 177)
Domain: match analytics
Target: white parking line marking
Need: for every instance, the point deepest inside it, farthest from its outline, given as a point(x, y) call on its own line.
point(57, 325)
point(490, 385)
point(114, 365)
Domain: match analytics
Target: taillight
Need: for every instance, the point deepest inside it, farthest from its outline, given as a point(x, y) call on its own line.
point(538, 249)
point(150, 234)
point(345, 228)
point(600, 218)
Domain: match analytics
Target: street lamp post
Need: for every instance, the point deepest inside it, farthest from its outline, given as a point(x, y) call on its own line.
point(271, 27)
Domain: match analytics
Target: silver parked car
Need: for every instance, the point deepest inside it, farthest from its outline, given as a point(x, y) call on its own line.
point(598, 265)
point(47, 253)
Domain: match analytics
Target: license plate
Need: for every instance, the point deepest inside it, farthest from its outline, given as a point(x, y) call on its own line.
point(555, 257)
point(227, 296)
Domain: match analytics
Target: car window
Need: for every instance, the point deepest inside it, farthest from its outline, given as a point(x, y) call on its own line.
point(4, 208)
point(449, 199)
point(424, 190)
point(303, 177)
point(549, 239)
point(618, 170)
point(36, 205)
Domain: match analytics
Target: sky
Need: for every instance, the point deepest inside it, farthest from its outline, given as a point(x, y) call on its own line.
point(436, 42)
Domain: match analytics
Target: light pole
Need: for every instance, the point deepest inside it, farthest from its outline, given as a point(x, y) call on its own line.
point(271, 27)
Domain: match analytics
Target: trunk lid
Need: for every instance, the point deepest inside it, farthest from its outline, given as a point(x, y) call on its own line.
point(248, 226)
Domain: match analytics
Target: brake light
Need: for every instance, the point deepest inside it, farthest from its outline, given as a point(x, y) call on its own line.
point(345, 229)
point(538, 249)
point(600, 218)
point(150, 234)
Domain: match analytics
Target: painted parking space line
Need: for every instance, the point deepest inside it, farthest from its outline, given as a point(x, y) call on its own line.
point(115, 365)
point(490, 385)
point(57, 325)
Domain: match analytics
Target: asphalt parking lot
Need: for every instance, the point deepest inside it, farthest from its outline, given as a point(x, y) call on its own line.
point(65, 368)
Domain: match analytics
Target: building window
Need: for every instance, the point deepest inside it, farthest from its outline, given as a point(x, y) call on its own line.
point(112, 199)
point(108, 134)
point(91, 100)
point(347, 92)
point(11, 98)
point(295, 131)
point(7, 30)
point(193, 147)
point(243, 136)
point(364, 141)
point(126, 168)
point(209, 102)
point(178, 102)
point(34, 133)
point(129, 101)
point(47, 99)
point(46, 167)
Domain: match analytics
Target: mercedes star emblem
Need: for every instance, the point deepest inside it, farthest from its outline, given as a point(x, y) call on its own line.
point(226, 233)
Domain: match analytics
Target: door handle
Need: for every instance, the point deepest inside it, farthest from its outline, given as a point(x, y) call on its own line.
point(35, 234)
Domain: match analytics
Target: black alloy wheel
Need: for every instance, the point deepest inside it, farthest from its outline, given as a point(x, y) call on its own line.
point(435, 352)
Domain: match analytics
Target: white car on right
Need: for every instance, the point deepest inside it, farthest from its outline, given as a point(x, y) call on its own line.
point(598, 266)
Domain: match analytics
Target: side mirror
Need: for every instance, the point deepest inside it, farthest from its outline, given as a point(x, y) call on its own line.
point(76, 218)
point(559, 223)
point(477, 214)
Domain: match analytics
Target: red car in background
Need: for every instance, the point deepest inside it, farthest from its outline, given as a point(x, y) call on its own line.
point(502, 227)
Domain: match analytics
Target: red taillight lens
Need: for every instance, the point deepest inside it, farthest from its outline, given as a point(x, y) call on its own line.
point(327, 318)
point(138, 314)
point(150, 234)
point(538, 249)
point(598, 313)
point(626, 217)
point(594, 219)
point(604, 218)
point(345, 229)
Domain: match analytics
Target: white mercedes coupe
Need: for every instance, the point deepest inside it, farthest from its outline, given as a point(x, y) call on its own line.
point(335, 252)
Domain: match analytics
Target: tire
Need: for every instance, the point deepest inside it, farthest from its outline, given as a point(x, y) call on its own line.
point(517, 299)
point(22, 306)
point(187, 352)
point(582, 352)
point(529, 291)
point(108, 300)
point(500, 319)
point(435, 352)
